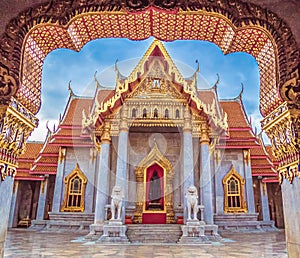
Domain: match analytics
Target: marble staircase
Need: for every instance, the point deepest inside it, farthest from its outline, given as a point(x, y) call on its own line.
point(64, 222)
point(154, 233)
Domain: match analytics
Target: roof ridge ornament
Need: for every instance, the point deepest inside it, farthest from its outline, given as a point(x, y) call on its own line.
point(198, 66)
point(217, 82)
point(242, 91)
point(98, 85)
point(70, 89)
point(239, 97)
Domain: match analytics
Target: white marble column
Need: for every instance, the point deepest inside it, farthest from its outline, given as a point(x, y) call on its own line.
point(42, 199)
point(13, 204)
point(205, 177)
point(249, 182)
point(121, 171)
point(188, 161)
point(90, 186)
point(59, 180)
point(6, 188)
point(103, 170)
point(264, 201)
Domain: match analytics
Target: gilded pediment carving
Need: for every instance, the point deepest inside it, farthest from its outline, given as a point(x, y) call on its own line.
point(159, 86)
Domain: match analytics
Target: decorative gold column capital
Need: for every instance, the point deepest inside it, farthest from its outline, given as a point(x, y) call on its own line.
point(283, 128)
point(16, 124)
point(105, 137)
point(124, 118)
point(187, 126)
point(204, 139)
point(61, 154)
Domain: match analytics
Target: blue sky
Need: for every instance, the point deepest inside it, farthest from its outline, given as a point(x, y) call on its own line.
point(63, 65)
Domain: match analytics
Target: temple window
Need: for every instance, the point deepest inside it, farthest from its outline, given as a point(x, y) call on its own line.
point(133, 113)
point(75, 184)
point(166, 113)
point(155, 113)
point(144, 113)
point(177, 114)
point(234, 192)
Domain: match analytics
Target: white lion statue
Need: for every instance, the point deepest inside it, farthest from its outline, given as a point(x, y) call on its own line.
point(116, 202)
point(192, 202)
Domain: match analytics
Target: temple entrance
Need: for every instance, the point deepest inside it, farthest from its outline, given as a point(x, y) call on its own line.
point(154, 211)
point(154, 195)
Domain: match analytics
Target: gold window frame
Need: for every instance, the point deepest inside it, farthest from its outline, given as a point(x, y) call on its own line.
point(68, 179)
point(241, 188)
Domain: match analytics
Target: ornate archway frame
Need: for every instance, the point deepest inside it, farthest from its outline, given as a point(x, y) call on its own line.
point(154, 157)
point(54, 19)
point(36, 31)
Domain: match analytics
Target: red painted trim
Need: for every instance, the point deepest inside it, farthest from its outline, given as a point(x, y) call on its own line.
point(235, 129)
point(41, 178)
point(23, 170)
point(270, 180)
point(43, 172)
point(252, 139)
point(264, 174)
point(49, 154)
point(261, 166)
point(71, 145)
point(237, 147)
point(45, 164)
point(70, 137)
point(70, 126)
point(259, 156)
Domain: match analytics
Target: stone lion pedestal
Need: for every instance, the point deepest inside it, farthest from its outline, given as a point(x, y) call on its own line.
point(114, 231)
point(194, 231)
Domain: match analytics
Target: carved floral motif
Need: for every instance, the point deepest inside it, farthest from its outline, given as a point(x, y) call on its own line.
point(16, 125)
point(283, 128)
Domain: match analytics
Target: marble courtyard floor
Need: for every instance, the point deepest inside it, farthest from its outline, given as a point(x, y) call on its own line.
point(22, 243)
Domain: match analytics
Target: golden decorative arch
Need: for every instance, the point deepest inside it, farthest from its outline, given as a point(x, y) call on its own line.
point(234, 185)
point(75, 184)
point(234, 26)
point(154, 157)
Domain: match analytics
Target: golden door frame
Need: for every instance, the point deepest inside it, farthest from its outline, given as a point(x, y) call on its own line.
point(154, 156)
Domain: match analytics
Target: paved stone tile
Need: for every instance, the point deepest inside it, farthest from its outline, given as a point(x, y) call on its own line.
point(23, 243)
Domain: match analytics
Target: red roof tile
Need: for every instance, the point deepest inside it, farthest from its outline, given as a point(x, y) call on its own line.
point(32, 149)
point(236, 115)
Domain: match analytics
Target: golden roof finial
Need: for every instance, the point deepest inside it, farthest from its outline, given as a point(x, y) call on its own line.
point(242, 91)
point(70, 89)
point(96, 80)
point(217, 82)
point(198, 66)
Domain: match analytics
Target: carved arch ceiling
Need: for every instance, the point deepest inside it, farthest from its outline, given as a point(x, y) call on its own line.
point(232, 25)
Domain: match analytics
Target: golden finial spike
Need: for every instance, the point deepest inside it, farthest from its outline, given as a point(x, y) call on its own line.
point(96, 80)
point(198, 66)
point(242, 91)
point(218, 80)
point(70, 89)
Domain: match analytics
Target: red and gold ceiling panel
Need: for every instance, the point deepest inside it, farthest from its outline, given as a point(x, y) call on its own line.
point(268, 90)
point(165, 25)
point(192, 25)
point(39, 43)
point(110, 25)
